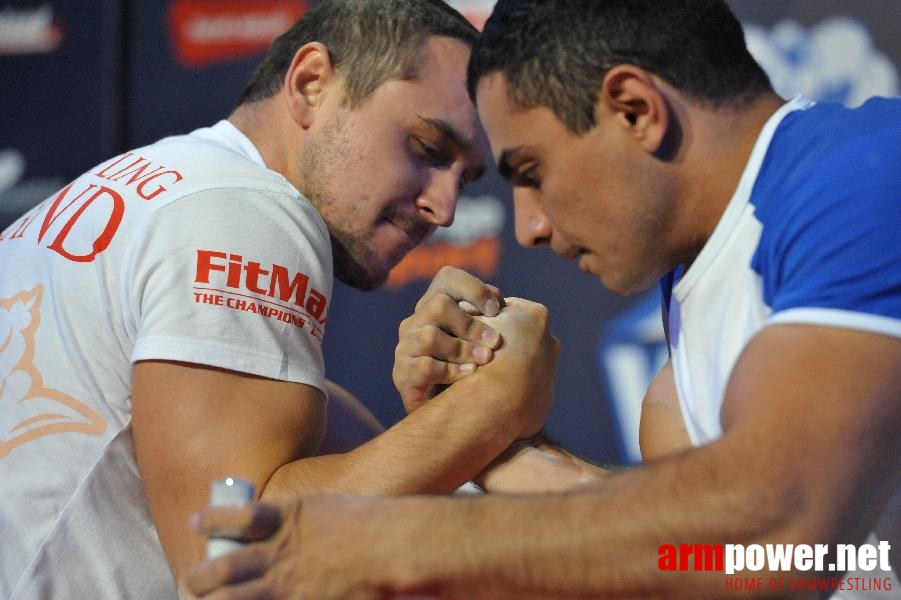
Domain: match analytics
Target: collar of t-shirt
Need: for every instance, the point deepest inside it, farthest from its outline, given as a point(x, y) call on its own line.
point(684, 280)
point(225, 133)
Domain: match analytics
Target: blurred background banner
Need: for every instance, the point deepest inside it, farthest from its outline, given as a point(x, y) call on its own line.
point(83, 81)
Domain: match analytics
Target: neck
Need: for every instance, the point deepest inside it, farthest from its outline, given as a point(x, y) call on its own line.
point(722, 140)
point(262, 124)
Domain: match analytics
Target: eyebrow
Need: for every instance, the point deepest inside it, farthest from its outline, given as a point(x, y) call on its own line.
point(447, 131)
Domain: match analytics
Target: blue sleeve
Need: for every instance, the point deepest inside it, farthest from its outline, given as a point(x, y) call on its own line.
point(830, 252)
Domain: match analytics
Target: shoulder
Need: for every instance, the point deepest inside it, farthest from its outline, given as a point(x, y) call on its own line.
point(213, 157)
point(829, 169)
point(829, 149)
point(826, 198)
point(223, 183)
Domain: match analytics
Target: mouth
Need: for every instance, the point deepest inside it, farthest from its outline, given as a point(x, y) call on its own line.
point(406, 234)
point(412, 231)
point(397, 240)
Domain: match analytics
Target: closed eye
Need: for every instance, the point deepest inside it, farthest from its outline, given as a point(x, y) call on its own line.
point(527, 178)
point(430, 153)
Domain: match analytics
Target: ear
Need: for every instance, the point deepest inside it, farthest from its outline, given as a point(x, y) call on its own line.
point(630, 97)
point(308, 78)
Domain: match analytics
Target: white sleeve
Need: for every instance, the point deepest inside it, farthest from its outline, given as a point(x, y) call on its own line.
point(233, 278)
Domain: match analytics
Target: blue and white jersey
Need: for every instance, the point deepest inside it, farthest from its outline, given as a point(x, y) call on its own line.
point(812, 235)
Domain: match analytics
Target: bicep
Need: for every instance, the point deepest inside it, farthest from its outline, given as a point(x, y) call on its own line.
point(192, 424)
point(662, 430)
point(819, 406)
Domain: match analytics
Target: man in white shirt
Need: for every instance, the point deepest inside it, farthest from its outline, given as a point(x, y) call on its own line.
point(161, 317)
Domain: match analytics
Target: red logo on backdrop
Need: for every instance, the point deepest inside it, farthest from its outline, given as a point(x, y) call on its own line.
point(206, 32)
point(472, 243)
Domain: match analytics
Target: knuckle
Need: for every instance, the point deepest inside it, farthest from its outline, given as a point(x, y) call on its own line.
point(541, 313)
point(401, 364)
point(441, 304)
point(221, 570)
point(475, 328)
point(404, 326)
point(457, 351)
point(428, 336)
point(446, 272)
point(452, 373)
point(424, 367)
point(397, 373)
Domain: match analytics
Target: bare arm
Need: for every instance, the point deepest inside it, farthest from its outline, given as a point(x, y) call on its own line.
point(192, 424)
point(541, 466)
point(800, 397)
point(537, 466)
point(662, 430)
point(456, 434)
point(447, 338)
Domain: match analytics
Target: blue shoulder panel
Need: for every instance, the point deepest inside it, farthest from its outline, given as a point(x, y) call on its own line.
point(829, 198)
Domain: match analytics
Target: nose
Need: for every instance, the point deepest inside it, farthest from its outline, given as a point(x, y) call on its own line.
point(533, 228)
point(438, 199)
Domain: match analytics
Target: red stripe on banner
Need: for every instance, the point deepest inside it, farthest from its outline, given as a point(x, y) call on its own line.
point(206, 32)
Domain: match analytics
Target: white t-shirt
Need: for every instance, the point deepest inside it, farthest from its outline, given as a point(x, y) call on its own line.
point(189, 249)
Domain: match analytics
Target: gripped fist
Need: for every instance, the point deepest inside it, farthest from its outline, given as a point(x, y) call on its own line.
point(442, 341)
point(525, 365)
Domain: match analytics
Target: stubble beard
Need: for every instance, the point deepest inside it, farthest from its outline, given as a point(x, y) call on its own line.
point(320, 164)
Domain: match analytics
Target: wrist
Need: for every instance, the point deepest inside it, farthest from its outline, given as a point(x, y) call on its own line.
point(417, 556)
point(517, 411)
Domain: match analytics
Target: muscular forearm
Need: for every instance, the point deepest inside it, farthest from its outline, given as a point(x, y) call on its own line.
point(602, 542)
point(537, 467)
point(762, 482)
point(599, 542)
point(433, 450)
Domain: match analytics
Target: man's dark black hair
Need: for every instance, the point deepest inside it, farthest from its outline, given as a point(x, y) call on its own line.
point(555, 53)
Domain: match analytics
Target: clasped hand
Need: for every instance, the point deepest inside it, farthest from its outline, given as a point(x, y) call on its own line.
point(462, 326)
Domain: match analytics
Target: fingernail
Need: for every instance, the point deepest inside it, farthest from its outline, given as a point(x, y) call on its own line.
point(194, 521)
point(467, 368)
point(490, 337)
point(482, 354)
point(492, 308)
